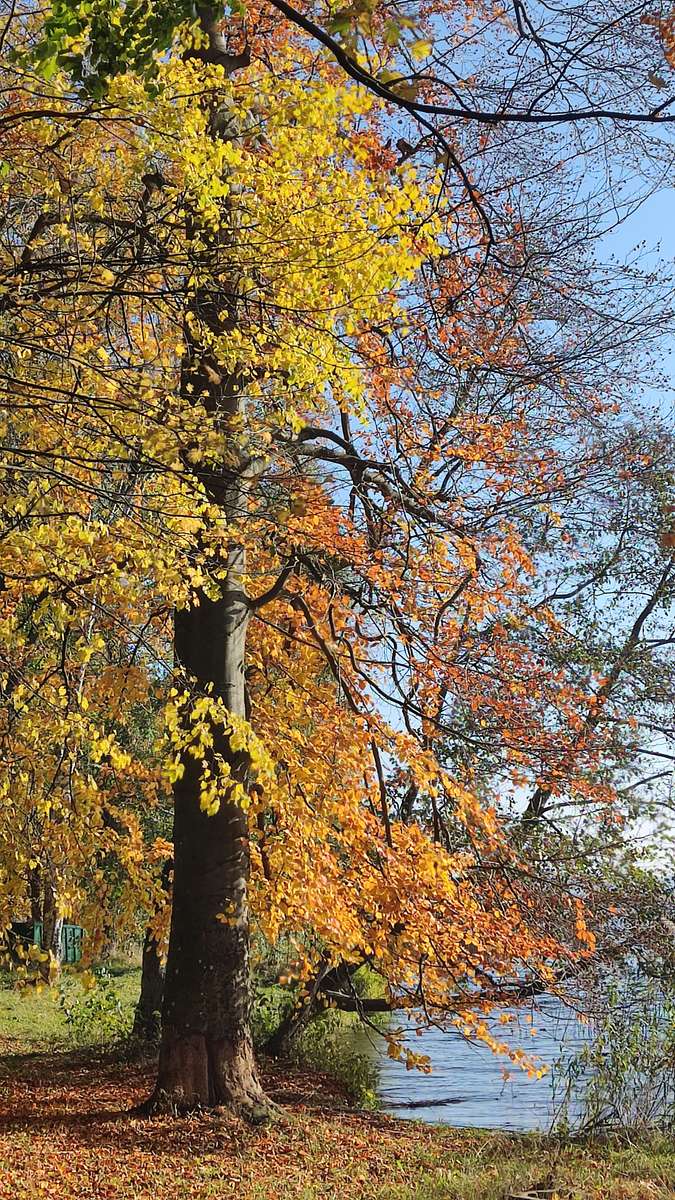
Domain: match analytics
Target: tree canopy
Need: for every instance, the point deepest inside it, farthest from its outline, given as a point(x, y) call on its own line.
point(314, 447)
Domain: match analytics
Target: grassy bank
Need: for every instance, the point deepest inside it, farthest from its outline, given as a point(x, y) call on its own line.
point(66, 1134)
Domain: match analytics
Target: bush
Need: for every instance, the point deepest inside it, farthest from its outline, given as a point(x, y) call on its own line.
point(328, 1042)
point(95, 1014)
point(370, 986)
point(327, 1045)
point(271, 1004)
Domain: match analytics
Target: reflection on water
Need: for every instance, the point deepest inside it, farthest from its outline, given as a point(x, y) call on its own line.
point(466, 1086)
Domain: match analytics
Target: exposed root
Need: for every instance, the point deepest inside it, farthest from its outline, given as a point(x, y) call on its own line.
point(252, 1110)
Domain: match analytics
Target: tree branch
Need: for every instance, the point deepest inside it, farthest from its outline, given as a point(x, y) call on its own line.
point(418, 109)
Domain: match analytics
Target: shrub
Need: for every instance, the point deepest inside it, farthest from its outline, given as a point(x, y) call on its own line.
point(270, 1005)
point(95, 1014)
point(327, 1045)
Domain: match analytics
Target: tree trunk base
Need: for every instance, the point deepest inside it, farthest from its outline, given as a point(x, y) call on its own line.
point(196, 1072)
point(162, 1104)
point(146, 1033)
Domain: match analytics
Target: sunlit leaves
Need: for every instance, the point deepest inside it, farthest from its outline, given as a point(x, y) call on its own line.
point(259, 227)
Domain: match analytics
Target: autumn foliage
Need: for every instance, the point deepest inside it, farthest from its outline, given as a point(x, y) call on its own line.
point(249, 351)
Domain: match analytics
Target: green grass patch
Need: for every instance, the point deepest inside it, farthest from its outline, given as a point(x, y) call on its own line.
point(33, 1019)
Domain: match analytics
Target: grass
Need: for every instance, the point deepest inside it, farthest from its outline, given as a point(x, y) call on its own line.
point(31, 1020)
point(66, 1133)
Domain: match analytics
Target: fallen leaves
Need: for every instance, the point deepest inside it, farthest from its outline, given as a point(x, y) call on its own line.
point(67, 1132)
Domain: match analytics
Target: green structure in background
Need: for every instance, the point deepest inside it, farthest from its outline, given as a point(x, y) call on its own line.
point(29, 933)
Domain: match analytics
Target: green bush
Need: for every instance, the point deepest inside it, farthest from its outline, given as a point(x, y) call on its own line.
point(95, 1015)
point(270, 1005)
point(327, 1045)
point(369, 985)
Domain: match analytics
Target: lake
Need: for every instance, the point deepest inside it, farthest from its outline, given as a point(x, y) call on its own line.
point(466, 1086)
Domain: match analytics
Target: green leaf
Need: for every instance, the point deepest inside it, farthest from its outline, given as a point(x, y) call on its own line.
point(49, 68)
point(421, 49)
point(341, 23)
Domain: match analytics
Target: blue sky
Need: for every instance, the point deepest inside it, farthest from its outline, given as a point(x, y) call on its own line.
point(650, 229)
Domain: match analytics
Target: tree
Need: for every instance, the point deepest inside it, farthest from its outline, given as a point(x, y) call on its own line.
point(245, 431)
point(529, 67)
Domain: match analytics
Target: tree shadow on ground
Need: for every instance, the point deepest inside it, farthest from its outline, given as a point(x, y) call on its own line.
point(89, 1102)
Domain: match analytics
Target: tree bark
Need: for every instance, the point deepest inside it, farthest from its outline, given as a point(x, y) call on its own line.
point(148, 1015)
point(206, 1054)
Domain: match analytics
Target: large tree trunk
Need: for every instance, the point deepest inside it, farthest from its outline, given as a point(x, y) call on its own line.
point(206, 1055)
point(206, 1052)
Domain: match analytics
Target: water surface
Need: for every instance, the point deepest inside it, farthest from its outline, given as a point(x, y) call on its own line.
point(466, 1086)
